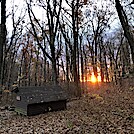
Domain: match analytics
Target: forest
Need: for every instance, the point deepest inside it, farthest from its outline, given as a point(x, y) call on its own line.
point(84, 46)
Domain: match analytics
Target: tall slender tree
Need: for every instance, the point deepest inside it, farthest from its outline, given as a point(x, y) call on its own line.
point(125, 25)
point(53, 10)
point(2, 36)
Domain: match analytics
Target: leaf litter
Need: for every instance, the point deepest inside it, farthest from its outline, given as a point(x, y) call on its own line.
point(102, 111)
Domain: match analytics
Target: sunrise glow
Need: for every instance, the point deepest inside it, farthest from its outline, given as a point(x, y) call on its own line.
point(93, 78)
point(99, 77)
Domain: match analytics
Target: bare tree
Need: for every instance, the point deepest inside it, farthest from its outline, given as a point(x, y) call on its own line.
point(12, 46)
point(53, 15)
point(2, 36)
point(125, 25)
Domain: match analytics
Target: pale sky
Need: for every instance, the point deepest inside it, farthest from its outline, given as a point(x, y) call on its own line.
point(21, 6)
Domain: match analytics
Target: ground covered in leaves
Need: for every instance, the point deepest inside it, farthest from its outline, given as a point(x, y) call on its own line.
point(103, 110)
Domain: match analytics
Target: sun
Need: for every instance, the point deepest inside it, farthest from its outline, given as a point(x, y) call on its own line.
point(93, 78)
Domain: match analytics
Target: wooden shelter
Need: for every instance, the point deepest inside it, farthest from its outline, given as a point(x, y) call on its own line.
point(37, 100)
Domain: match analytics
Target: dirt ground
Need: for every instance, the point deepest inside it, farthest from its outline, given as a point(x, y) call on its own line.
point(104, 109)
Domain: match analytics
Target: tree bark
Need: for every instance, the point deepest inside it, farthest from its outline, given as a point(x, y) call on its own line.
point(2, 36)
point(125, 25)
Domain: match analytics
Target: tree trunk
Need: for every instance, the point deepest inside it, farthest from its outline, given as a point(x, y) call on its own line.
point(75, 37)
point(101, 64)
point(95, 58)
point(106, 68)
point(54, 72)
point(47, 72)
point(36, 75)
point(125, 25)
point(67, 63)
point(81, 58)
point(2, 36)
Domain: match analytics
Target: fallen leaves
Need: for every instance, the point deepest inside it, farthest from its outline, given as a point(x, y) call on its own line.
point(131, 88)
point(95, 113)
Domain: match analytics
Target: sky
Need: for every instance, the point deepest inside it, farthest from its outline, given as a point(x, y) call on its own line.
point(38, 11)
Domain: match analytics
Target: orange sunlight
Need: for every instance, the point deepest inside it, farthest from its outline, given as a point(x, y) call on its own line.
point(93, 78)
point(99, 77)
